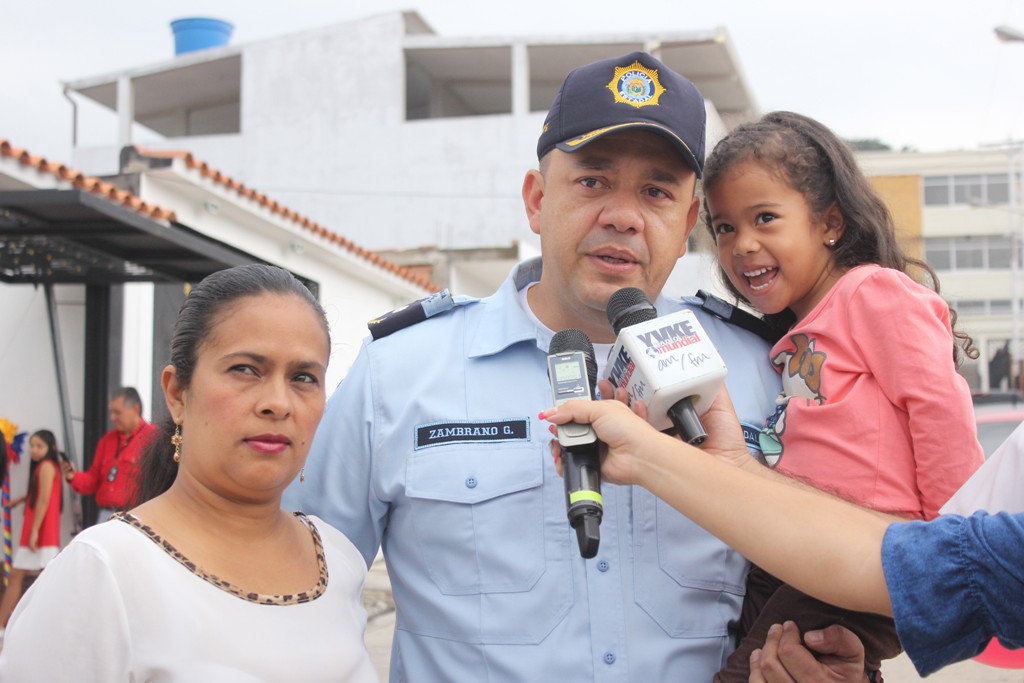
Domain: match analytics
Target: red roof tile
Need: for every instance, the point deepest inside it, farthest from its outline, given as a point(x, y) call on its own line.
point(80, 181)
point(205, 170)
point(116, 195)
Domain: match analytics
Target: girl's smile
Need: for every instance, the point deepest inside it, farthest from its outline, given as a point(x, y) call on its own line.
point(772, 247)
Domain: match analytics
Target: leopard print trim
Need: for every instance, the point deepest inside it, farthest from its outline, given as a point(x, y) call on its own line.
point(227, 586)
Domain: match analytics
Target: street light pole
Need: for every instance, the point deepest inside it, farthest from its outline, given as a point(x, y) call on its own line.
point(1009, 34)
point(1017, 244)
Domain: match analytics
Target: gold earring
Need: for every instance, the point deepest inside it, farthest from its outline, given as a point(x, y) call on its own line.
point(176, 440)
point(302, 476)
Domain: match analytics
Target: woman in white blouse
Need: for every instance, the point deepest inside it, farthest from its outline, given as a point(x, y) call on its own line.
point(208, 579)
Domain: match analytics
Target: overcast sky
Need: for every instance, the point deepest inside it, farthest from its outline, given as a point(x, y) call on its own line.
point(929, 74)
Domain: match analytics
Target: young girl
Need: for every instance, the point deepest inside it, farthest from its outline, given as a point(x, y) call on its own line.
point(40, 533)
point(872, 408)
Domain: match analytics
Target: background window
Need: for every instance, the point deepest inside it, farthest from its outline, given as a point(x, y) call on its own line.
point(1000, 307)
point(936, 191)
point(938, 254)
point(970, 254)
point(999, 252)
point(968, 189)
point(971, 306)
point(997, 189)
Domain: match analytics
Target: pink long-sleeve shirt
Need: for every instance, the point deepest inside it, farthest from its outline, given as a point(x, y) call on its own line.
point(876, 412)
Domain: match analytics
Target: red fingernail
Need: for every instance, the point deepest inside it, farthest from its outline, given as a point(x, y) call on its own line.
point(540, 415)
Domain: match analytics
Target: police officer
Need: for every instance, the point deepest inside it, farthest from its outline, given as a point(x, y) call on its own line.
point(431, 447)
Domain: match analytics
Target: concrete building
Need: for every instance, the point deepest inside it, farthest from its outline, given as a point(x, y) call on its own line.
point(389, 133)
point(961, 212)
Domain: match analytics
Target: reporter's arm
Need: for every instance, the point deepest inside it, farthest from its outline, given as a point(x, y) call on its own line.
point(771, 522)
point(955, 583)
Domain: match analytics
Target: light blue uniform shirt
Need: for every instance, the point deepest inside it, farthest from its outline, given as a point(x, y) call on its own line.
point(432, 447)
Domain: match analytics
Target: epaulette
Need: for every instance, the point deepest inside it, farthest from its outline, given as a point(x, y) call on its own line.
point(722, 309)
point(410, 314)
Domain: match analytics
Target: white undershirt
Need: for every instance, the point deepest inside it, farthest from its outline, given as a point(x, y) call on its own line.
point(545, 333)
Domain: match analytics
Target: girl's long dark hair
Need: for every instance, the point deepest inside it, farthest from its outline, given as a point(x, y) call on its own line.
point(819, 165)
point(197, 316)
point(53, 455)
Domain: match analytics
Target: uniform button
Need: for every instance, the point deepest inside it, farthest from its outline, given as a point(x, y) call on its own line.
point(471, 482)
point(609, 657)
point(602, 566)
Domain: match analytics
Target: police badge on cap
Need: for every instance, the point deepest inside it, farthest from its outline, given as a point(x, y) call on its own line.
point(633, 91)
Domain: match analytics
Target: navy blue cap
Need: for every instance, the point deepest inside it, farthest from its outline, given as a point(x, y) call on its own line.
point(633, 91)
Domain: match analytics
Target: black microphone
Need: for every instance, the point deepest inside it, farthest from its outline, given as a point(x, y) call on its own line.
point(668, 362)
point(572, 371)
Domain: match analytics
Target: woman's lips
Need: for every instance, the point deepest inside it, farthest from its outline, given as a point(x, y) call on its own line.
point(269, 443)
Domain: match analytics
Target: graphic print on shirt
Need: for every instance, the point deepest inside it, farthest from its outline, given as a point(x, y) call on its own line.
point(801, 378)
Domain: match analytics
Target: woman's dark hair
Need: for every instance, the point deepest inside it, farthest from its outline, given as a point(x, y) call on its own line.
point(198, 314)
point(53, 455)
point(816, 163)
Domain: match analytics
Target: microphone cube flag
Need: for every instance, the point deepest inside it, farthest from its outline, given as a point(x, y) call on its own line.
point(663, 360)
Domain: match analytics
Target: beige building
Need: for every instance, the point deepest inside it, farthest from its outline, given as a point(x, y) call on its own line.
point(960, 212)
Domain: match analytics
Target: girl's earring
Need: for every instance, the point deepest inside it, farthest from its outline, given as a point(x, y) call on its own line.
point(302, 476)
point(176, 440)
point(831, 243)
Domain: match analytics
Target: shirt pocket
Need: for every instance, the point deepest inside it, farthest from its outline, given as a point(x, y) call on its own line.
point(687, 581)
point(485, 536)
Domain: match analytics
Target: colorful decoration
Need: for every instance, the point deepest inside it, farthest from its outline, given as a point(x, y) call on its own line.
point(14, 441)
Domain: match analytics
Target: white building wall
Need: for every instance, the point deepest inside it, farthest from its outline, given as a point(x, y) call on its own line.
point(137, 362)
point(30, 397)
point(352, 290)
point(323, 131)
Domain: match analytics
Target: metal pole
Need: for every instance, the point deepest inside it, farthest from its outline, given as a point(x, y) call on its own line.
point(62, 390)
point(1017, 242)
point(1015, 264)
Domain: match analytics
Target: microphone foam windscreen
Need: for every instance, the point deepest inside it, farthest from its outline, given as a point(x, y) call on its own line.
point(629, 306)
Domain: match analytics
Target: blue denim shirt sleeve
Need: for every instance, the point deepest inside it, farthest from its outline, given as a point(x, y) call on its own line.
point(955, 583)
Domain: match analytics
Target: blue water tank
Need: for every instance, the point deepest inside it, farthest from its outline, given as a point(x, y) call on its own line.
point(200, 33)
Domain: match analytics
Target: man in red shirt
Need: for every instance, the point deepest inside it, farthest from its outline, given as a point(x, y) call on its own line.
point(111, 477)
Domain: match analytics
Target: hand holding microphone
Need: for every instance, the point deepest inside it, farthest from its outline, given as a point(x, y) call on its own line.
point(572, 371)
point(631, 447)
point(668, 362)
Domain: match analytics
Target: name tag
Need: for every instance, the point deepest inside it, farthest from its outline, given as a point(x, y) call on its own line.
point(441, 433)
point(751, 434)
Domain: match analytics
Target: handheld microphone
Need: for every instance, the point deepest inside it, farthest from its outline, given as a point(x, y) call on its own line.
point(572, 371)
point(668, 362)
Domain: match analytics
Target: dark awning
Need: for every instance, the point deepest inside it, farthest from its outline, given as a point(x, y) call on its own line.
point(76, 237)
